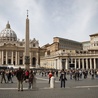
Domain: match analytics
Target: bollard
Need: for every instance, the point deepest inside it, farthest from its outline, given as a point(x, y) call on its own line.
point(52, 82)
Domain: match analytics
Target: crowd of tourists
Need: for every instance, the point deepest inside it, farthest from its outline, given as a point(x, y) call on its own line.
point(21, 75)
point(6, 76)
point(63, 75)
point(29, 76)
point(73, 74)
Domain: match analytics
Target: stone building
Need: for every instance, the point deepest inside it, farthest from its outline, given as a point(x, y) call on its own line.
point(66, 54)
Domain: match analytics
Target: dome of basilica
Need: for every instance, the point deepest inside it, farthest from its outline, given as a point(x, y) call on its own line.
point(8, 34)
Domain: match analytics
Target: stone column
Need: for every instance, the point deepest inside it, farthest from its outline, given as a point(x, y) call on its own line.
point(82, 63)
point(12, 58)
point(60, 63)
point(79, 63)
point(6, 58)
point(86, 63)
point(39, 57)
point(16, 58)
point(23, 58)
point(66, 64)
point(36, 59)
point(90, 63)
point(94, 63)
point(75, 63)
point(71, 60)
point(2, 57)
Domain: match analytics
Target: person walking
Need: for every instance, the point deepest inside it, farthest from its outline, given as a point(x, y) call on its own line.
point(31, 78)
point(3, 73)
point(63, 78)
point(26, 76)
point(20, 78)
point(50, 75)
point(92, 74)
point(9, 76)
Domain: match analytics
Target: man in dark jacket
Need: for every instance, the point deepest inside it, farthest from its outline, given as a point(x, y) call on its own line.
point(63, 78)
point(20, 78)
point(3, 76)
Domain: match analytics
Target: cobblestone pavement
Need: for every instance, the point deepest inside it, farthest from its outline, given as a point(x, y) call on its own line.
point(74, 89)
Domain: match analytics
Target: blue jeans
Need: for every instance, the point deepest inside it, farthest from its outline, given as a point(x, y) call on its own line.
point(62, 83)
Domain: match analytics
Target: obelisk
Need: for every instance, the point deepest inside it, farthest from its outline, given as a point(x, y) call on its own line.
point(27, 57)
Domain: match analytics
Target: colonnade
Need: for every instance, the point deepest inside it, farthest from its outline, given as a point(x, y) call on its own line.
point(14, 58)
point(80, 63)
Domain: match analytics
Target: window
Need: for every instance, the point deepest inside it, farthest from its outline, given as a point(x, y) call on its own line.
point(33, 45)
point(21, 44)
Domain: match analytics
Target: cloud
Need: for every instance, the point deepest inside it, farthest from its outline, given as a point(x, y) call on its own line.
point(83, 11)
point(48, 18)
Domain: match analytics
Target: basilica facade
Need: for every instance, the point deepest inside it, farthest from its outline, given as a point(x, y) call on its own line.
point(12, 49)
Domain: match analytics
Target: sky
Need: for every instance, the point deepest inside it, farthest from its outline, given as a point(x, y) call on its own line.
point(69, 19)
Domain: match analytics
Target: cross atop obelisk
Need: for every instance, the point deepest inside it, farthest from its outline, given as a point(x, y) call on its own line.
point(27, 57)
point(27, 13)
